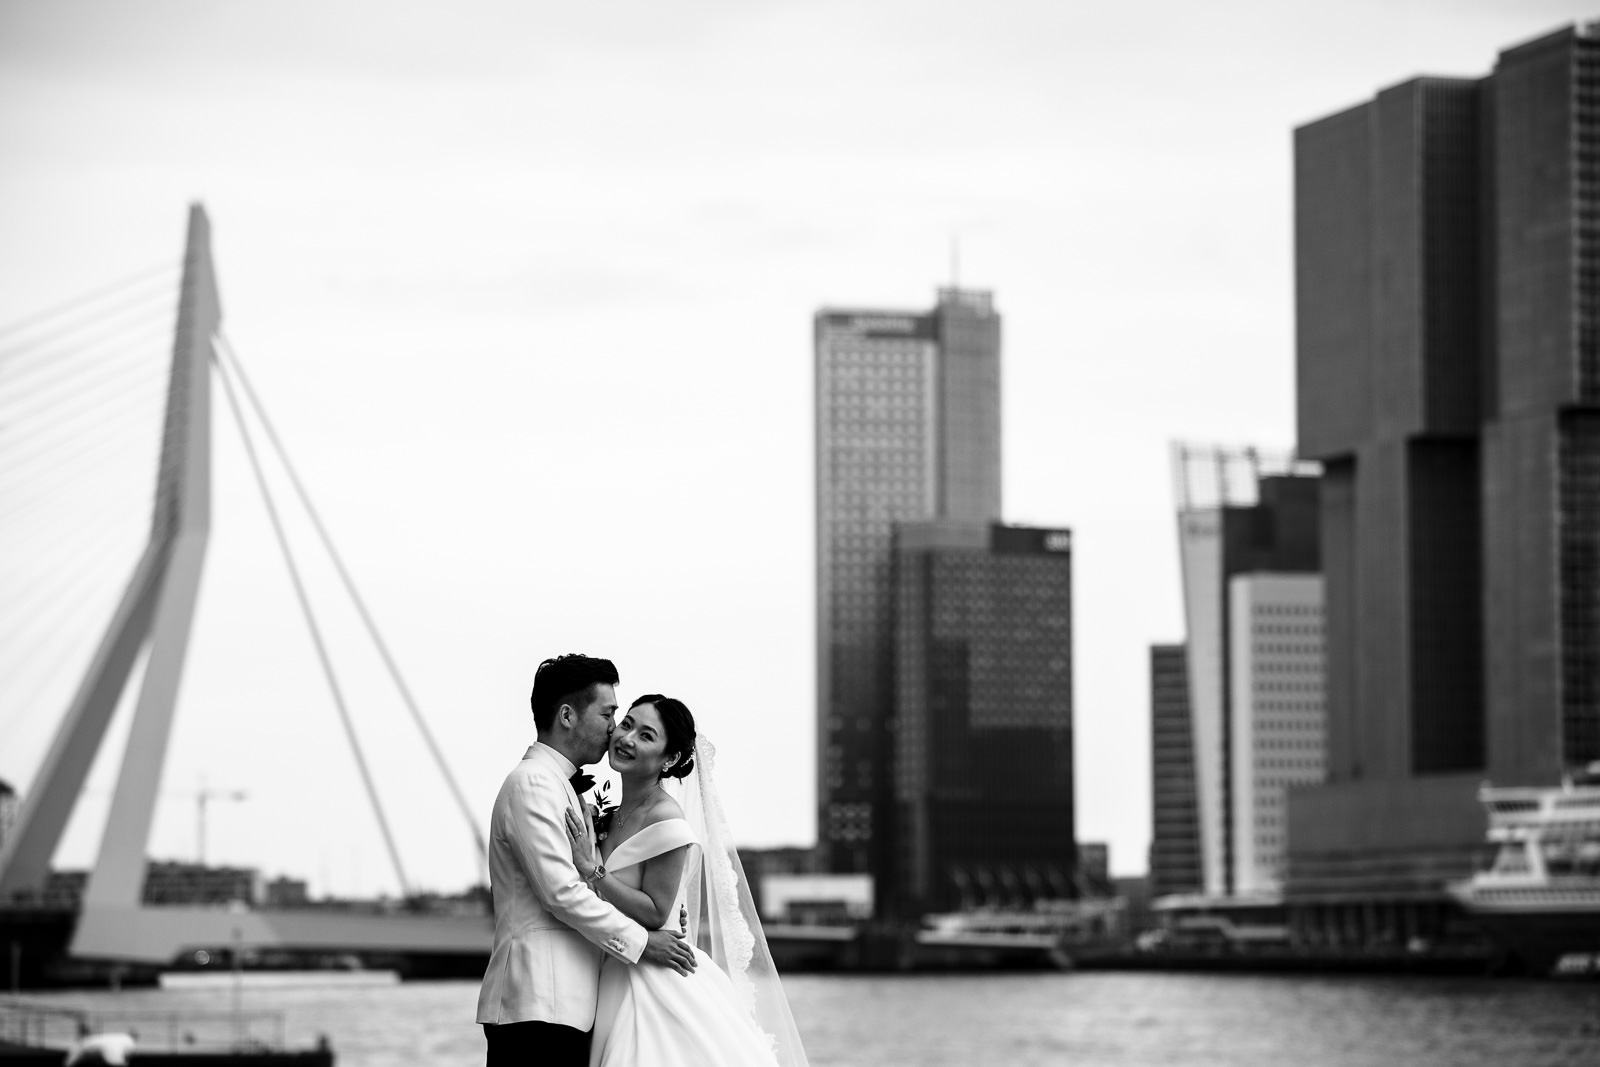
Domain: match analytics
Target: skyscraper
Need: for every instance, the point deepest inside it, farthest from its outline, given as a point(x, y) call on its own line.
point(908, 430)
point(983, 717)
point(1448, 298)
point(1240, 512)
point(1175, 830)
point(1389, 367)
point(1277, 717)
point(8, 809)
point(1541, 436)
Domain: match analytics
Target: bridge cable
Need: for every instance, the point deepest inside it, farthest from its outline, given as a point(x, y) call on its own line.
point(74, 596)
point(53, 455)
point(311, 622)
point(90, 297)
point(157, 300)
point(141, 354)
point(361, 607)
point(107, 399)
point(60, 358)
point(46, 565)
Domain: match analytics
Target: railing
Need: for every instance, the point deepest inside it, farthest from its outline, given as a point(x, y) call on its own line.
point(36, 1025)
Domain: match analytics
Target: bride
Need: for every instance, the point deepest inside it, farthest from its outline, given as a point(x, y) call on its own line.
point(667, 848)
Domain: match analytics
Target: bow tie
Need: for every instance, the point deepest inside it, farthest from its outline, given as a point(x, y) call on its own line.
point(581, 783)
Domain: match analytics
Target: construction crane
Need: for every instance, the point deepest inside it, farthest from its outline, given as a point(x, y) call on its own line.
point(203, 797)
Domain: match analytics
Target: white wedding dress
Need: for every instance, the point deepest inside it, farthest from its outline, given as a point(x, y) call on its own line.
point(654, 1015)
point(731, 1011)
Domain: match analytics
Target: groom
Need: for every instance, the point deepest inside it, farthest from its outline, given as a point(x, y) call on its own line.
point(551, 931)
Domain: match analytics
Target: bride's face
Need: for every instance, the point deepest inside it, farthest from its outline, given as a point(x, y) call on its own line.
point(639, 745)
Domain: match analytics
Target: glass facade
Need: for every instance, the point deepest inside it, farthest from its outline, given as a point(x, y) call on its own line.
point(1175, 830)
point(1278, 713)
point(899, 435)
point(983, 754)
point(1447, 290)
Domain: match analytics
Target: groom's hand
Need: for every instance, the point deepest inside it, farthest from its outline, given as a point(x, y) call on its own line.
point(670, 950)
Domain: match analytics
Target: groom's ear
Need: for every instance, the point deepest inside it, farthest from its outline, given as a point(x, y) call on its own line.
point(566, 714)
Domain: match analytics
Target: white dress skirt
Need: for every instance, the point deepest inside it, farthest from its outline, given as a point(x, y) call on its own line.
point(652, 1016)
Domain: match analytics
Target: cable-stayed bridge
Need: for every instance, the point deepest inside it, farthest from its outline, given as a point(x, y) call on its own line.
point(47, 431)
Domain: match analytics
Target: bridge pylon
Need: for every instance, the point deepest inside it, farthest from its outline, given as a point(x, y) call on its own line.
point(155, 612)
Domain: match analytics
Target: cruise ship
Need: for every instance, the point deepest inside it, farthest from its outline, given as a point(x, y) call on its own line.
point(1540, 898)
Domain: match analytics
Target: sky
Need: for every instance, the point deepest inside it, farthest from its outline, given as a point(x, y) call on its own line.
point(527, 290)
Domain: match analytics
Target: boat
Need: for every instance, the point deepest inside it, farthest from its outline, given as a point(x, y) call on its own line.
point(34, 1033)
point(1050, 936)
point(1539, 898)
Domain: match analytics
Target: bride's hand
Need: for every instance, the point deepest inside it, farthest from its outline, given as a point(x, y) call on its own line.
point(582, 847)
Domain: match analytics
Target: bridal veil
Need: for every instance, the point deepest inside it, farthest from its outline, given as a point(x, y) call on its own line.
point(722, 910)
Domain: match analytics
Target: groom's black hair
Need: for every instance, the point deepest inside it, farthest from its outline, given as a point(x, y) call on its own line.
point(560, 680)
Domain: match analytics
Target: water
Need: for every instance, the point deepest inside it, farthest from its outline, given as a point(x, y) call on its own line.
point(1087, 1019)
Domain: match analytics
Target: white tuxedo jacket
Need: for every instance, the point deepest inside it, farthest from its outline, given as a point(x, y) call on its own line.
point(550, 930)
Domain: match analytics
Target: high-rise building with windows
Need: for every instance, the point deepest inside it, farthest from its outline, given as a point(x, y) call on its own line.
point(982, 769)
point(1278, 721)
point(1240, 512)
point(9, 806)
point(907, 430)
point(1541, 406)
point(1448, 317)
point(1175, 830)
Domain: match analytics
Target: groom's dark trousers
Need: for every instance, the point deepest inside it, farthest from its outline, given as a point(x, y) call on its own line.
point(536, 1044)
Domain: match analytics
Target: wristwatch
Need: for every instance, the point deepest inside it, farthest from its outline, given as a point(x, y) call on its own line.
point(597, 874)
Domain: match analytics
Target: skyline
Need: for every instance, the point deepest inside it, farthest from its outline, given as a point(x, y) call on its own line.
point(453, 224)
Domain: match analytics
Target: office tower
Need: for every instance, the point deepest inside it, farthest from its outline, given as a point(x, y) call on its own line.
point(1541, 436)
point(1094, 869)
point(9, 805)
point(1389, 365)
point(908, 430)
point(1240, 512)
point(1175, 830)
point(983, 717)
point(1277, 716)
point(1449, 379)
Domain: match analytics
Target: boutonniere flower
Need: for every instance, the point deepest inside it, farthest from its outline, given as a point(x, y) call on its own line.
point(602, 811)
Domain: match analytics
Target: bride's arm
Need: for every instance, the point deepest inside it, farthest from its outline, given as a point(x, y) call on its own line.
point(651, 903)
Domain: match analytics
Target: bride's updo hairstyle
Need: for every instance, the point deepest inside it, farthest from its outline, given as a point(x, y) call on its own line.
point(679, 724)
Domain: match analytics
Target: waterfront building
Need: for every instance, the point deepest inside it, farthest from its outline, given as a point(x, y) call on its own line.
point(9, 803)
point(1448, 350)
point(1541, 438)
point(166, 883)
point(286, 892)
point(1094, 869)
point(1175, 831)
point(907, 430)
point(813, 899)
point(983, 717)
point(1241, 512)
point(1277, 715)
point(195, 883)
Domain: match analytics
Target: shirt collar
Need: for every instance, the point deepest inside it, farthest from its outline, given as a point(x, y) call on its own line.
point(567, 769)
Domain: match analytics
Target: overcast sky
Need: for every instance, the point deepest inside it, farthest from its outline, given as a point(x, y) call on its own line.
point(527, 289)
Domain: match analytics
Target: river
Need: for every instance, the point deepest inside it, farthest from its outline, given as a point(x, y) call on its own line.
point(1019, 1020)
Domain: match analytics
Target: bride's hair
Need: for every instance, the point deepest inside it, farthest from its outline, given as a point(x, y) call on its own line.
point(679, 724)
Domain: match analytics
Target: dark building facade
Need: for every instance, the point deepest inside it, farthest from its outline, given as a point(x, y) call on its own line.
point(1449, 381)
point(1175, 829)
point(983, 786)
point(907, 430)
point(1541, 438)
